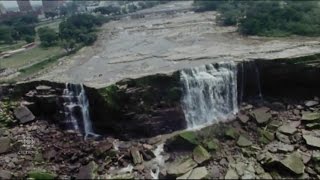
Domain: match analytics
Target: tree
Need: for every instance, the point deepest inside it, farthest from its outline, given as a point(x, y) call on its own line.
point(48, 37)
point(29, 39)
point(5, 34)
point(68, 45)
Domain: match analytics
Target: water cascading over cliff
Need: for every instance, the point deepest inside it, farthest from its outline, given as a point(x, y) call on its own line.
point(76, 108)
point(210, 93)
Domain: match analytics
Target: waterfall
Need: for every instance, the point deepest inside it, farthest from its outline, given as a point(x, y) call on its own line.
point(76, 107)
point(210, 93)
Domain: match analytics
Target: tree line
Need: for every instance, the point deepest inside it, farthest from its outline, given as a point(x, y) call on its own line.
point(18, 28)
point(268, 17)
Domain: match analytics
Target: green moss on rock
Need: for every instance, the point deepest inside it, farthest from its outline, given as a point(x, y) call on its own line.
point(40, 174)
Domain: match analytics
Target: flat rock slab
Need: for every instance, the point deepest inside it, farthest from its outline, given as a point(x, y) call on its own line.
point(311, 103)
point(243, 142)
point(5, 174)
point(312, 140)
point(197, 173)
point(310, 116)
point(183, 167)
point(287, 129)
point(23, 114)
point(261, 115)
point(200, 154)
point(243, 118)
point(4, 144)
point(294, 163)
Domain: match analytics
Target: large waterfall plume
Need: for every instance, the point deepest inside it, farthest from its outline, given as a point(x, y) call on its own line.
point(76, 108)
point(210, 93)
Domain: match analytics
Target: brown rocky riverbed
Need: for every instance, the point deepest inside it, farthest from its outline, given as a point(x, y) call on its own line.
point(276, 138)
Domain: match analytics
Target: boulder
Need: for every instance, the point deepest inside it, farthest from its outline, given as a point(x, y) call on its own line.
point(312, 140)
point(311, 103)
point(265, 176)
point(199, 173)
point(243, 142)
point(287, 129)
point(231, 174)
point(136, 156)
point(211, 145)
point(23, 114)
point(181, 167)
point(4, 144)
point(261, 115)
point(310, 116)
point(184, 141)
point(43, 88)
point(243, 118)
point(87, 171)
point(294, 163)
point(283, 138)
point(5, 174)
point(200, 154)
point(232, 133)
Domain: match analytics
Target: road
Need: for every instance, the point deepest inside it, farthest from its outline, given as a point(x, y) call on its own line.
point(164, 42)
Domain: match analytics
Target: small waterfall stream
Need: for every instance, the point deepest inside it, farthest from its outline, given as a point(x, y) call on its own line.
point(210, 93)
point(76, 107)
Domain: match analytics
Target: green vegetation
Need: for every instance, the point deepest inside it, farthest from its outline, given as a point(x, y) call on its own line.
point(28, 57)
point(48, 36)
point(80, 28)
point(267, 18)
point(18, 28)
point(40, 174)
point(6, 115)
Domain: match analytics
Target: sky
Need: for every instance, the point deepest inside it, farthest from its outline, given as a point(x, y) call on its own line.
point(13, 4)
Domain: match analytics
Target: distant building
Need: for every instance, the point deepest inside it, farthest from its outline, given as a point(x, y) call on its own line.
point(24, 5)
point(2, 9)
point(50, 5)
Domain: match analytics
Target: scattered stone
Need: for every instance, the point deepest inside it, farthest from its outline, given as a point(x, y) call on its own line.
point(311, 103)
point(184, 141)
point(5, 174)
point(198, 173)
point(121, 176)
point(23, 114)
point(265, 136)
point(87, 172)
point(265, 176)
point(4, 144)
point(310, 116)
point(212, 145)
point(51, 154)
point(181, 167)
point(287, 129)
point(136, 156)
point(283, 138)
point(139, 167)
point(294, 163)
point(147, 155)
point(243, 118)
point(185, 176)
point(231, 174)
point(147, 146)
point(200, 154)
point(285, 148)
point(311, 140)
point(296, 112)
point(316, 156)
point(232, 133)
point(243, 141)
point(43, 88)
point(261, 115)
point(306, 157)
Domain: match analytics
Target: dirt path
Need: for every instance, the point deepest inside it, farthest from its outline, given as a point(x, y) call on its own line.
point(164, 42)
